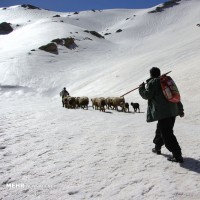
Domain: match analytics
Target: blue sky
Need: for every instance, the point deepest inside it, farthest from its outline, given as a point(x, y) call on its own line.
point(78, 5)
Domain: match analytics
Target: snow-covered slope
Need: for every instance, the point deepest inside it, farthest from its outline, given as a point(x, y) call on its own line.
point(30, 82)
point(168, 39)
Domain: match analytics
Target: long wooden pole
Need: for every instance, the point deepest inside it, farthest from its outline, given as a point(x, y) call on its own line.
point(139, 86)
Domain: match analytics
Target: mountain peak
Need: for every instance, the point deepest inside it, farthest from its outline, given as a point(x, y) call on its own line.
point(165, 5)
point(28, 6)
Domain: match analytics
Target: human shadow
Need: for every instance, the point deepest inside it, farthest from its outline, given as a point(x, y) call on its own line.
point(190, 164)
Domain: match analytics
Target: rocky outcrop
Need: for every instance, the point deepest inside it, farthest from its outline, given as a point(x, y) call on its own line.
point(119, 30)
point(94, 33)
point(68, 42)
point(5, 28)
point(165, 5)
point(58, 41)
point(28, 6)
point(56, 16)
point(107, 33)
point(51, 48)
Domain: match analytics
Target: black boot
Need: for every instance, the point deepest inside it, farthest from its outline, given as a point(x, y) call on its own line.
point(178, 159)
point(157, 151)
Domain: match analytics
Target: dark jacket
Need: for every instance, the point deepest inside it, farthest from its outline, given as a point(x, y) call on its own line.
point(64, 93)
point(158, 106)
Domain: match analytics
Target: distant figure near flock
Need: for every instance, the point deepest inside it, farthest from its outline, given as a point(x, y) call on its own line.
point(64, 93)
point(73, 102)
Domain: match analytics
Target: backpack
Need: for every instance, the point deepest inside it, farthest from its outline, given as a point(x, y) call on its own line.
point(169, 89)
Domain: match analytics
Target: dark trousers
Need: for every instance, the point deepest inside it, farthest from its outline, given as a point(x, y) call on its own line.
point(165, 136)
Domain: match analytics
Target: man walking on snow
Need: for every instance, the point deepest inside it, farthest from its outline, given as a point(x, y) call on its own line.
point(64, 93)
point(165, 112)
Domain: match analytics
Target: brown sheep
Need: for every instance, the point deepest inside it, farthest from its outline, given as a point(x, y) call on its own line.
point(64, 101)
point(77, 103)
point(99, 103)
point(83, 102)
point(94, 103)
point(69, 102)
point(118, 101)
point(109, 103)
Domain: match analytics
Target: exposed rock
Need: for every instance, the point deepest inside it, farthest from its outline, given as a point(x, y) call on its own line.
point(87, 38)
point(5, 28)
point(93, 10)
point(75, 13)
point(51, 48)
point(170, 3)
point(68, 42)
point(158, 9)
point(119, 30)
point(4, 8)
point(33, 50)
point(28, 6)
point(107, 33)
point(165, 5)
point(94, 33)
point(58, 41)
point(56, 16)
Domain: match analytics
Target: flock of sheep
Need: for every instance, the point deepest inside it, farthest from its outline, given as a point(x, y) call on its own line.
point(99, 103)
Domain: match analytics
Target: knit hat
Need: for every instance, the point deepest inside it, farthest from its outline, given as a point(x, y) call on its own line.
point(155, 72)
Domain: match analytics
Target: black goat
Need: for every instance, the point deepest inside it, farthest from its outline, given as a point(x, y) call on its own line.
point(136, 106)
